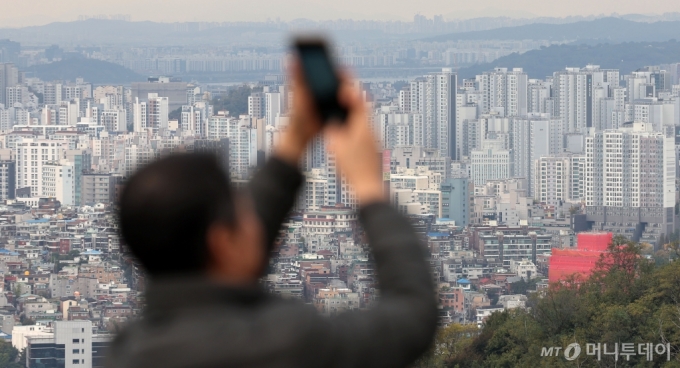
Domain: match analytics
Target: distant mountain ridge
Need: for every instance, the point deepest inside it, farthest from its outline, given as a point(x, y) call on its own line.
point(626, 57)
point(609, 29)
point(97, 32)
point(92, 70)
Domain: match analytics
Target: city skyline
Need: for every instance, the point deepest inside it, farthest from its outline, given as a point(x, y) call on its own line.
point(44, 11)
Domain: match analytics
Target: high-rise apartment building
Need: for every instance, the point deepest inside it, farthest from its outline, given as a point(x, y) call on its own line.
point(630, 181)
point(139, 116)
point(8, 179)
point(9, 77)
point(114, 120)
point(434, 96)
point(490, 164)
point(98, 188)
point(32, 155)
point(533, 137)
point(577, 97)
point(256, 105)
point(157, 112)
point(552, 179)
point(58, 181)
point(504, 92)
point(53, 93)
point(16, 95)
point(538, 93)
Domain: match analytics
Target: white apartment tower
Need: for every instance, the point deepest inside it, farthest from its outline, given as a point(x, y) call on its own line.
point(139, 116)
point(434, 96)
point(114, 120)
point(58, 181)
point(533, 137)
point(32, 155)
point(552, 179)
point(157, 112)
point(490, 164)
point(256, 105)
point(577, 93)
point(630, 181)
point(504, 92)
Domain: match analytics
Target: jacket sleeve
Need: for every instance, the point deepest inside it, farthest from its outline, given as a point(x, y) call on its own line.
point(273, 190)
point(401, 325)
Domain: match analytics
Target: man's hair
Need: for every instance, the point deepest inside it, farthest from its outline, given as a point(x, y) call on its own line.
point(167, 207)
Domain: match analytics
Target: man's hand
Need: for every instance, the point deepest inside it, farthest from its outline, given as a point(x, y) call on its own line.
point(305, 123)
point(353, 144)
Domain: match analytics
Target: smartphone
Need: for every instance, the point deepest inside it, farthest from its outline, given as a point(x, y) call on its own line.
point(321, 77)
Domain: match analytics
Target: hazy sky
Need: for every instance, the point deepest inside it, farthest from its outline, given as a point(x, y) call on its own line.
point(18, 13)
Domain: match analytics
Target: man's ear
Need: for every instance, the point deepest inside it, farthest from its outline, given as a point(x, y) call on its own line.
point(219, 239)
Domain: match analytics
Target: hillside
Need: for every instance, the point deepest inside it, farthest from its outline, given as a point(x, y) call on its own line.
point(94, 71)
point(604, 30)
point(628, 299)
point(626, 57)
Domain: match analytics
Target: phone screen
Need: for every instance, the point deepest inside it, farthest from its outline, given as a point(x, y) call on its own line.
point(321, 79)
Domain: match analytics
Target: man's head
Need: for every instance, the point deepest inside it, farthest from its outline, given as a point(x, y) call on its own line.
point(179, 215)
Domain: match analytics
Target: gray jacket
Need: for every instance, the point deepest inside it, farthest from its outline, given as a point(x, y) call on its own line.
point(190, 321)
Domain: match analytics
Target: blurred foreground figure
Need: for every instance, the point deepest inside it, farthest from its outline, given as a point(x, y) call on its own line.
point(204, 250)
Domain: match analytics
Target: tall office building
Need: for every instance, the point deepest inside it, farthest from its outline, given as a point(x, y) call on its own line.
point(630, 182)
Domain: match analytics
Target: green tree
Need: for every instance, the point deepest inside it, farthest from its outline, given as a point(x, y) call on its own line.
point(627, 299)
point(9, 356)
point(26, 321)
point(175, 114)
point(523, 287)
point(449, 341)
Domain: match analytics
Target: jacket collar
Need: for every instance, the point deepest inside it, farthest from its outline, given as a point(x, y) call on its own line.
point(191, 291)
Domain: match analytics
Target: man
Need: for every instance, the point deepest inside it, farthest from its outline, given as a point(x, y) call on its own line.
point(204, 250)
